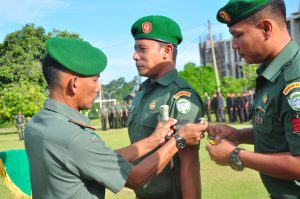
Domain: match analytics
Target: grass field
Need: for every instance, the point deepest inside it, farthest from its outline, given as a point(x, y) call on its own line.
point(217, 182)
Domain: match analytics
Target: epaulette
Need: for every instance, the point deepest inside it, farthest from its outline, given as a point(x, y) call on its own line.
point(182, 83)
point(292, 69)
point(82, 124)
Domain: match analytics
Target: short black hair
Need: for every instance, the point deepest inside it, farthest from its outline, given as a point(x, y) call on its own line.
point(174, 54)
point(276, 10)
point(51, 70)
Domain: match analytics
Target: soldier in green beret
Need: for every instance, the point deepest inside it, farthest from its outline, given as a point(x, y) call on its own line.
point(156, 41)
point(67, 157)
point(260, 35)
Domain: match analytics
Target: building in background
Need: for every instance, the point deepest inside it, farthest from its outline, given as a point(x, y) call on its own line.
point(228, 60)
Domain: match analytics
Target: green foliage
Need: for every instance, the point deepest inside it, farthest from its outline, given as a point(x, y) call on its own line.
point(22, 84)
point(118, 89)
point(201, 78)
point(26, 97)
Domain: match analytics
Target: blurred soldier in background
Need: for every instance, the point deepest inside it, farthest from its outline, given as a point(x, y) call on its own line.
point(20, 123)
point(104, 117)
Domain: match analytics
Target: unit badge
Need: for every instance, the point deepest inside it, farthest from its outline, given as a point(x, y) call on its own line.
point(225, 16)
point(294, 101)
point(183, 105)
point(146, 27)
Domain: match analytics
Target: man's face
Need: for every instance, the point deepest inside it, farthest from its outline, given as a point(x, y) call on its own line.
point(148, 56)
point(88, 88)
point(248, 40)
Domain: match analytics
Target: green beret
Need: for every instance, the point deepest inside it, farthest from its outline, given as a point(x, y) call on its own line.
point(237, 10)
point(158, 28)
point(77, 56)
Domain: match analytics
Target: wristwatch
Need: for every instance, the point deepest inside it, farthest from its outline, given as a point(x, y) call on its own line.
point(180, 141)
point(235, 161)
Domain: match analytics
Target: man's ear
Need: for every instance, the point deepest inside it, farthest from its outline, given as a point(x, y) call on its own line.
point(168, 50)
point(73, 84)
point(267, 28)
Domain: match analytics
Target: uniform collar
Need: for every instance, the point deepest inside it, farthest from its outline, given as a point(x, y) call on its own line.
point(65, 110)
point(272, 71)
point(164, 80)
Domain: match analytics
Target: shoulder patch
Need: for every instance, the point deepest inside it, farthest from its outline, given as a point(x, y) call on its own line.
point(294, 101)
point(183, 105)
point(82, 124)
point(290, 87)
point(182, 93)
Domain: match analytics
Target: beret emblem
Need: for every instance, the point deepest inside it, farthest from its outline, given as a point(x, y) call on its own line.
point(225, 16)
point(146, 27)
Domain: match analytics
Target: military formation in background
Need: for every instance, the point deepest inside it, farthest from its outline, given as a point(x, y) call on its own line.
point(238, 106)
point(114, 115)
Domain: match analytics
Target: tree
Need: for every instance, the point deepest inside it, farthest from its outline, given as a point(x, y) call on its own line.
point(201, 78)
point(22, 85)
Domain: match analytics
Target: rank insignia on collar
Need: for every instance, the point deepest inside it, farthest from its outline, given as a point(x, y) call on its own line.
point(294, 101)
point(152, 105)
point(265, 99)
point(82, 124)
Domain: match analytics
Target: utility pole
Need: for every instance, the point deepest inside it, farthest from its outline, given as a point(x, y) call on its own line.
point(214, 57)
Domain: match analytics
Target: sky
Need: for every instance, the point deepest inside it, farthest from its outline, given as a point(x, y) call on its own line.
point(106, 24)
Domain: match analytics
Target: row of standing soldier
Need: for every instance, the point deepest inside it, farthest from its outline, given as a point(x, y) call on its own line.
point(114, 116)
point(238, 106)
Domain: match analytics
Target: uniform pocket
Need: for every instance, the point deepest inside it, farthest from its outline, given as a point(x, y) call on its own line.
point(150, 118)
point(263, 123)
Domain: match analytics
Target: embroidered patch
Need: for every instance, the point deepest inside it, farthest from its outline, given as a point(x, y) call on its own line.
point(146, 27)
point(183, 105)
point(152, 105)
point(259, 119)
point(296, 123)
point(182, 93)
point(265, 99)
point(294, 101)
point(225, 16)
point(290, 87)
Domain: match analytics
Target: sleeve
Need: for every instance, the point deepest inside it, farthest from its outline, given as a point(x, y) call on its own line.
point(291, 113)
point(90, 158)
point(186, 107)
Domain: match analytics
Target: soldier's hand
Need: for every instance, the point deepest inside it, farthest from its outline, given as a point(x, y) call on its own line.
point(163, 130)
point(192, 133)
point(220, 131)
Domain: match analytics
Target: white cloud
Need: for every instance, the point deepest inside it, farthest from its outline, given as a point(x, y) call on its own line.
point(24, 11)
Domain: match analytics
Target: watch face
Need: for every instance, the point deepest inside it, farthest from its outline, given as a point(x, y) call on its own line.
point(180, 145)
point(180, 141)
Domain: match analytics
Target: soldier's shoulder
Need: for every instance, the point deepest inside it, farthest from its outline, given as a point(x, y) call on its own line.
point(292, 69)
point(181, 83)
